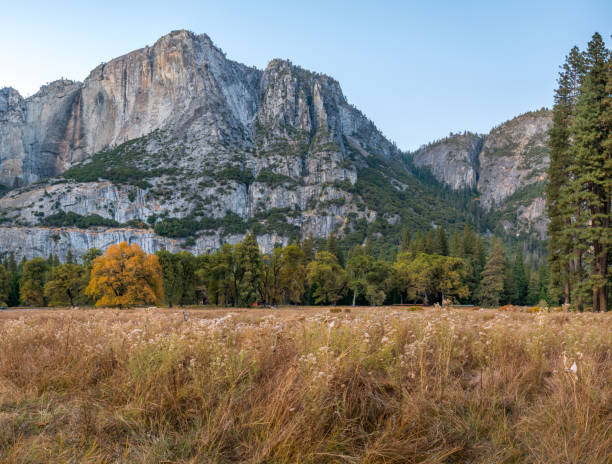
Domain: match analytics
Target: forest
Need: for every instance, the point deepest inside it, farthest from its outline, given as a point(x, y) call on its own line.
point(462, 268)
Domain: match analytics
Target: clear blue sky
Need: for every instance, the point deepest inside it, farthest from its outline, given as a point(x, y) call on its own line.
point(417, 69)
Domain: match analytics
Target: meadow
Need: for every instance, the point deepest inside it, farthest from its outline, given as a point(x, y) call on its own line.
point(314, 385)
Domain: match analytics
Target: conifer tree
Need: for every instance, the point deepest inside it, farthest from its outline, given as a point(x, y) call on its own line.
point(592, 176)
point(521, 283)
point(493, 275)
point(456, 245)
point(431, 244)
point(468, 241)
point(5, 285)
point(367, 248)
point(442, 241)
point(405, 241)
point(580, 173)
point(332, 247)
point(308, 248)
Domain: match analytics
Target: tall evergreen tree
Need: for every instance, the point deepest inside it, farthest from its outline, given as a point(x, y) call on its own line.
point(405, 241)
point(332, 247)
point(519, 277)
point(592, 176)
point(442, 241)
point(580, 173)
point(456, 245)
point(493, 275)
point(308, 248)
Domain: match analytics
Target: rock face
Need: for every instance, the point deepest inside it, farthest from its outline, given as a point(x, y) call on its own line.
point(507, 167)
point(184, 84)
point(30, 242)
point(211, 137)
point(514, 156)
point(181, 78)
point(453, 160)
point(198, 148)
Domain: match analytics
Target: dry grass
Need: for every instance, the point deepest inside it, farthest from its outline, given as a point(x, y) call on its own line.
point(379, 385)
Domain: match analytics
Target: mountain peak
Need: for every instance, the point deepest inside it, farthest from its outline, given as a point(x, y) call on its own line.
point(9, 97)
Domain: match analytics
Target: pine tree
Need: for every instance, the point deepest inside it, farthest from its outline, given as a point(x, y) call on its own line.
point(367, 248)
point(308, 248)
point(592, 182)
point(580, 173)
point(5, 285)
point(442, 241)
point(521, 283)
point(431, 243)
point(468, 241)
point(12, 263)
point(493, 275)
point(419, 244)
point(456, 245)
point(405, 241)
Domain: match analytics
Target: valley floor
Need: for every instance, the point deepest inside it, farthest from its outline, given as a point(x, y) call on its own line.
point(313, 385)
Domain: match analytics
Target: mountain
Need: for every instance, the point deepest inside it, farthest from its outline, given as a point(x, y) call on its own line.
point(506, 167)
point(453, 160)
point(176, 146)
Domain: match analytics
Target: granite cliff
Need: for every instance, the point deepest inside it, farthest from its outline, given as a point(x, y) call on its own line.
point(506, 167)
point(176, 146)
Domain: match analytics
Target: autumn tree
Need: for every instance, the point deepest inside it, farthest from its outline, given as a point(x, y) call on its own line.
point(126, 276)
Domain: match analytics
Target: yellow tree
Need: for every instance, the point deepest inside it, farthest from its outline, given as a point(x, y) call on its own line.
point(125, 276)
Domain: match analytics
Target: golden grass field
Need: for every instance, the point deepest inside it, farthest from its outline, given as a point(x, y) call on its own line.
point(366, 385)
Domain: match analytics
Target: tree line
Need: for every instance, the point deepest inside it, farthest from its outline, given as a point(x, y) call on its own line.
point(579, 189)
point(462, 268)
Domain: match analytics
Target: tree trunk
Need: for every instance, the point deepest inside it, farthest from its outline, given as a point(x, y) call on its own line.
point(354, 295)
point(603, 295)
point(579, 276)
point(567, 283)
point(597, 271)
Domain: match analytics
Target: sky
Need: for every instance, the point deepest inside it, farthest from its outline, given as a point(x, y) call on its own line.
point(419, 70)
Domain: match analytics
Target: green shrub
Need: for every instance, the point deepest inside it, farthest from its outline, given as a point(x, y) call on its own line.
point(70, 219)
